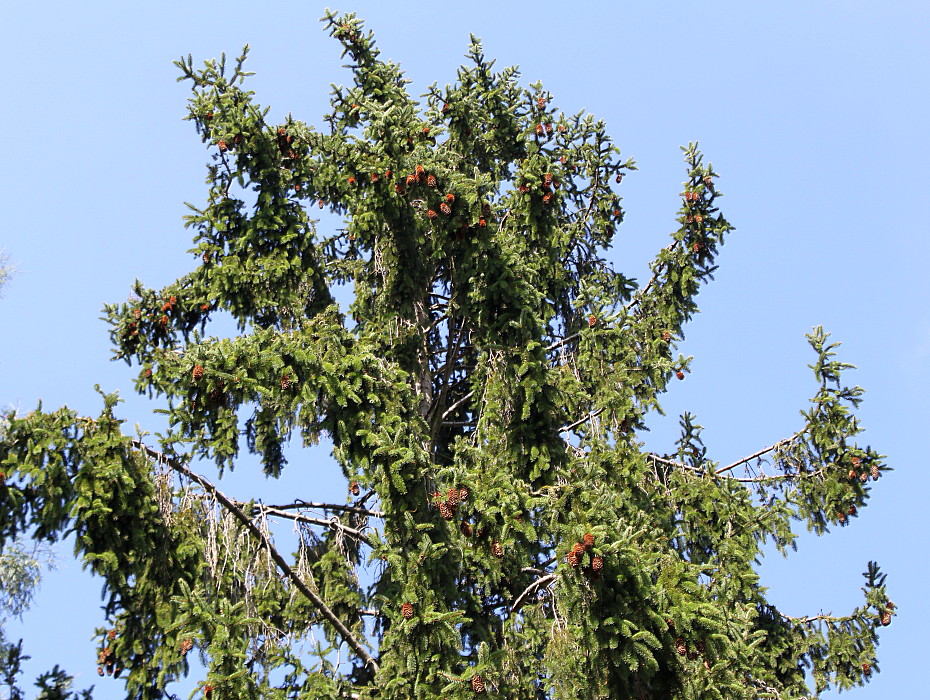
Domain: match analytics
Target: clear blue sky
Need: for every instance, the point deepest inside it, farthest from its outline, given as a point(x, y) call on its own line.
point(814, 113)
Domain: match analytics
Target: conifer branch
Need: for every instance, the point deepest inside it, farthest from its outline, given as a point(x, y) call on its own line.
point(518, 603)
point(652, 280)
point(265, 542)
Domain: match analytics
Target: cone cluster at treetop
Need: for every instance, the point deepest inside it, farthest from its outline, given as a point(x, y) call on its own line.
point(504, 531)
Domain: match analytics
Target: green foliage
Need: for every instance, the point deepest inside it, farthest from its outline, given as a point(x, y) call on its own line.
point(505, 531)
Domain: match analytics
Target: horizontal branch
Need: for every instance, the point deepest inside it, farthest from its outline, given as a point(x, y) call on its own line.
point(333, 522)
point(266, 543)
point(318, 506)
point(673, 463)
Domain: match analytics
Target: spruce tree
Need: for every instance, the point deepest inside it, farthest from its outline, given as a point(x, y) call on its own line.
point(505, 532)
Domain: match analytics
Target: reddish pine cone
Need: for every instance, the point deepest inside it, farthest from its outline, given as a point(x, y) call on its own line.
point(445, 510)
point(197, 373)
point(406, 611)
point(431, 181)
point(186, 646)
point(588, 540)
point(354, 488)
point(597, 563)
point(680, 646)
point(464, 491)
point(452, 497)
point(680, 374)
point(867, 669)
point(477, 684)
point(497, 549)
point(445, 209)
point(466, 529)
point(431, 214)
point(286, 381)
point(874, 471)
point(886, 618)
point(572, 558)
point(855, 461)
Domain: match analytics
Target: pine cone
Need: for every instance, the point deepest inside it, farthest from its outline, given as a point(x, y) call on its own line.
point(452, 497)
point(445, 510)
point(197, 373)
point(464, 492)
point(477, 684)
point(465, 527)
point(863, 477)
point(588, 540)
point(701, 647)
point(597, 563)
point(286, 382)
point(431, 181)
point(354, 487)
point(874, 471)
point(186, 646)
point(855, 461)
point(886, 618)
point(497, 549)
point(572, 559)
point(867, 669)
point(406, 611)
point(680, 646)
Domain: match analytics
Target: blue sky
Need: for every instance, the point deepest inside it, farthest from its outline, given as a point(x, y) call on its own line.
point(814, 113)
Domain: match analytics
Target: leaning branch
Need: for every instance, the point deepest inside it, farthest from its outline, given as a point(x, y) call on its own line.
point(265, 542)
point(755, 455)
point(585, 419)
point(521, 599)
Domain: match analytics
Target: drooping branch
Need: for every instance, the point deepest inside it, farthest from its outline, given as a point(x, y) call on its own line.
point(265, 542)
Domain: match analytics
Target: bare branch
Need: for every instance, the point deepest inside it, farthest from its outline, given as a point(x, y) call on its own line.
point(331, 522)
point(317, 506)
point(754, 455)
point(265, 542)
